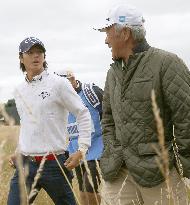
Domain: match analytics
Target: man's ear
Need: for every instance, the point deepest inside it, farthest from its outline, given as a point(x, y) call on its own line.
point(126, 32)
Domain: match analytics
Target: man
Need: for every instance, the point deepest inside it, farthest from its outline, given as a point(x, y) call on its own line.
point(43, 102)
point(129, 162)
point(91, 96)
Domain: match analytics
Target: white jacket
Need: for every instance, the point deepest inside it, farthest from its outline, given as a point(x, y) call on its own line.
point(43, 105)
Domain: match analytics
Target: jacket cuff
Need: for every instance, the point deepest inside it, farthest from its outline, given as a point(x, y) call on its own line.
point(83, 148)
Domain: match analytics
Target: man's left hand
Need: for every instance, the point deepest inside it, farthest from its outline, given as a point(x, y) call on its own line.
point(73, 160)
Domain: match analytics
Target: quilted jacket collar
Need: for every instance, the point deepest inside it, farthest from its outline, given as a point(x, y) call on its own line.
point(141, 47)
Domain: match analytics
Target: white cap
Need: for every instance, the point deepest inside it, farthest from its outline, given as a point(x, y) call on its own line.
point(124, 15)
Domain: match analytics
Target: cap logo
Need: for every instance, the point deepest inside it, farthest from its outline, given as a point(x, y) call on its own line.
point(27, 43)
point(121, 19)
point(32, 40)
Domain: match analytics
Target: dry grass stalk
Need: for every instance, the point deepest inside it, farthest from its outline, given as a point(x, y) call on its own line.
point(102, 182)
point(178, 162)
point(99, 171)
point(64, 174)
point(27, 107)
point(22, 185)
point(119, 193)
point(1, 161)
point(180, 167)
point(1, 154)
point(162, 158)
point(82, 172)
point(138, 200)
point(75, 184)
point(7, 143)
point(35, 191)
point(23, 193)
point(89, 176)
point(21, 171)
point(135, 203)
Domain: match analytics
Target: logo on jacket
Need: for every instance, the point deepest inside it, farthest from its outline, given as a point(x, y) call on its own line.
point(44, 94)
point(90, 95)
point(72, 130)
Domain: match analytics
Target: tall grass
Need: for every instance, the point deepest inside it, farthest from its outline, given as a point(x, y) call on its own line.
point(163, 157)
point(8, 141)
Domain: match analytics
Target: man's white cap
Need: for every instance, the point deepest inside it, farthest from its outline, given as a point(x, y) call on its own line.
point(124, 15)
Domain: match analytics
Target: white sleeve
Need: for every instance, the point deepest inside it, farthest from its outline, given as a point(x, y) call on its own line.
point(73, 103)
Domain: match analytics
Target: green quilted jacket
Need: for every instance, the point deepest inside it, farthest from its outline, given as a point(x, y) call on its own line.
point(129, 128)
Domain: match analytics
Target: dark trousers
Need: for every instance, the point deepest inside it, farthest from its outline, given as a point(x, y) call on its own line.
point(52, 181)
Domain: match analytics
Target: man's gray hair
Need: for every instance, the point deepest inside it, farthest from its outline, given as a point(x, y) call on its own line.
point(138, 32)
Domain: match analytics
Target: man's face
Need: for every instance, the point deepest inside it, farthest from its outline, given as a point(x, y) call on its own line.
point(115, 42)
point(33, 60)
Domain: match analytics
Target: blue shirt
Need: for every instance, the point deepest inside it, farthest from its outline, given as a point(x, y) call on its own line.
point(95, 151)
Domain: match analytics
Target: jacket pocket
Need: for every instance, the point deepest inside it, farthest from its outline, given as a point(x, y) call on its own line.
point(151, 148)
point(141, 89)
point(111, 162)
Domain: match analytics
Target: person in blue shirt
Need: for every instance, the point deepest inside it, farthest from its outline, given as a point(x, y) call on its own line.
point(91, 96)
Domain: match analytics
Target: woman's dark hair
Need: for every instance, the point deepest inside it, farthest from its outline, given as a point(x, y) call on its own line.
point(22, 67)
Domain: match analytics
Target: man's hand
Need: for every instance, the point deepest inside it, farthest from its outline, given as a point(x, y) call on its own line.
point(73, 160)
point(12, 161)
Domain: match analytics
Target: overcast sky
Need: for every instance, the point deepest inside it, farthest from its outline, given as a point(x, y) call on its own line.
point(66, 29)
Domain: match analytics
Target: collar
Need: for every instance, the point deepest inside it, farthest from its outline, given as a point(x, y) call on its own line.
point(37, 78)
point(139, 49)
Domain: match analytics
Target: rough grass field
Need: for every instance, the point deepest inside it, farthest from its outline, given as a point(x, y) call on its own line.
point(8, 141)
